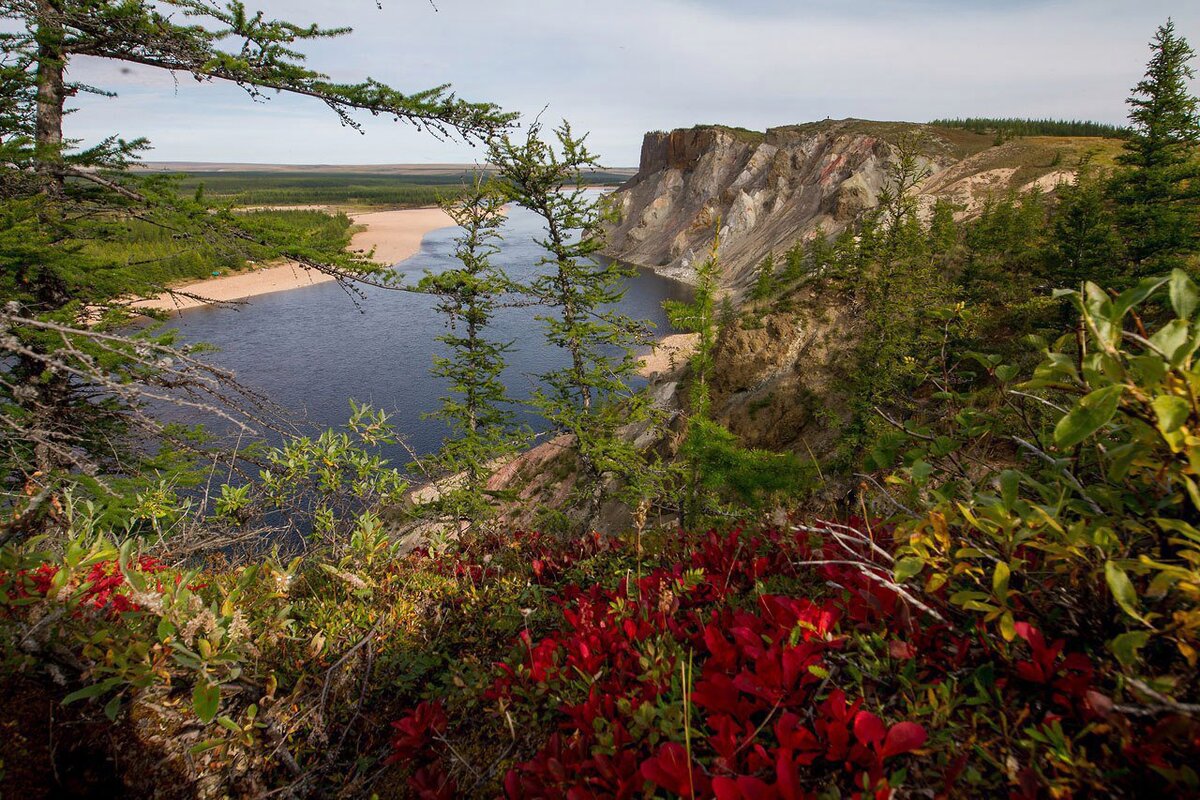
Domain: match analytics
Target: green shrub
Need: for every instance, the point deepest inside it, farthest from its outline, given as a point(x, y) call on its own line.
point(1093, 525)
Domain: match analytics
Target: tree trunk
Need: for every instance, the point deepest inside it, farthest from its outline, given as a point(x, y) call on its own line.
point(51, 96)
point(48, 394)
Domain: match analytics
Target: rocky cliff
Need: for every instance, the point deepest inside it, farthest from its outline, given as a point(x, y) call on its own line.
point(767, 190)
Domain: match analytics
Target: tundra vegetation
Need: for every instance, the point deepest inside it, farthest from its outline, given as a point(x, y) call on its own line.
point(1008, 604)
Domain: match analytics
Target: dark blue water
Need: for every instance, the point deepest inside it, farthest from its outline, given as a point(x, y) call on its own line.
point(311, 349)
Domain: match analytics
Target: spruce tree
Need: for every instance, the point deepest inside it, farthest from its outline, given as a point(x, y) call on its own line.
point(699, 316)
point(820, 251)
point(713, 466)
point(794, 263)
point(589, 398)
point(943, 231)
point(1158, 191)
point(764, 280)
point(899, 281)
point(1084, 244)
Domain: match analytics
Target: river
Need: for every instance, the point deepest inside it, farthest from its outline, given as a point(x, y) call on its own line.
point(312, 349)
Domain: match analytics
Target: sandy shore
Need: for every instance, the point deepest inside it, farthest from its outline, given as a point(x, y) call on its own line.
point(397, 235)
point(394, 235)
point(669, 353)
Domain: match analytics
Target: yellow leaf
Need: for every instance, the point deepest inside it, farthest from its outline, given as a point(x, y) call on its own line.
point(1008, 626)
point(1188, 652)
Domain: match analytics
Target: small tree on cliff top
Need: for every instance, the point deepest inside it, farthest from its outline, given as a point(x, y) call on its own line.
point(1158, 193)
point(590, 397)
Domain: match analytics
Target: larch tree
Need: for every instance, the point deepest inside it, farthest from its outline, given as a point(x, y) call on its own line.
point(590, 397)
point(478, 410)
point(67, 389)
point(699, 316)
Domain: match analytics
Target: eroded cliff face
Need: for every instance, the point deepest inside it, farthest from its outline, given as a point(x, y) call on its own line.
point(775, 384)
point(765, 190)
point(768, 190)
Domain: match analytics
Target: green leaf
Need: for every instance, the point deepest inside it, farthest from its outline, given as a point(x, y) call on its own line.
point(943, 445)
point(1122, 590)
point(1134, 296)
point(1174, 340)
point(205, 699)
point(1193, 491)
point(204, 746)
point(921, 470)
point(908, 567)
point(977, 605)
point(1006, 372)
point(1172, 412)
point(1125, 647)
point(1010, 482)
point(1098, 311)
point(1089, 414)
point(228, 724)
point(1000, 580)
point(1184, 294)
point(112, 708)
point(1180, 527)
point(88, 692)
point(1121, 458)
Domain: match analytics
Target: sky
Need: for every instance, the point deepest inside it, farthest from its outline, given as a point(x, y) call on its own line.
point(619, 68)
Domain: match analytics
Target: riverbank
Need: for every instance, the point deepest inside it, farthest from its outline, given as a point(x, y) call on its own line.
point(669, 353)
point(393, 235)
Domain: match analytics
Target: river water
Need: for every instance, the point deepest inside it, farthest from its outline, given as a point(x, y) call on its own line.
point(312, 349)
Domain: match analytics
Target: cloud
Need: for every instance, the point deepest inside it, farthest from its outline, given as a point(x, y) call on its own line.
point(626, 66)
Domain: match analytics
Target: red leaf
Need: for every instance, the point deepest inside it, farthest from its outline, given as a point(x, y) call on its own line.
point(671, 770)
point(1027, 632)
point(744, 788)
point(869, 729)
point(904, 737)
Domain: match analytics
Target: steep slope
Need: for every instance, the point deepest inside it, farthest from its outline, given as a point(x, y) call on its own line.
point(770, 189)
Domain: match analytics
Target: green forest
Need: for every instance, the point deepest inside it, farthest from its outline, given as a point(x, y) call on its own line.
point(1034, 127)
point(984, 580)
point(342, 188)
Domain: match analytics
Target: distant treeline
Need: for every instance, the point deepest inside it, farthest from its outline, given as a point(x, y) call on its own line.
point(319, 188)
point(1034, 127)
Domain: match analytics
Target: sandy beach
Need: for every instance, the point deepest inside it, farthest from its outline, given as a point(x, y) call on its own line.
point(669, 353)
point(394, 236)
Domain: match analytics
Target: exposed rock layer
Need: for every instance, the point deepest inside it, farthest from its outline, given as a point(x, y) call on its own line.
point(766, 191)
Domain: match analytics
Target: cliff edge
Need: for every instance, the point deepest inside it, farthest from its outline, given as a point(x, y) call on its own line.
point(768, 190)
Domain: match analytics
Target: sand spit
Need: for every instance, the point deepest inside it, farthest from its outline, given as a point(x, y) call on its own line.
point(394, 236)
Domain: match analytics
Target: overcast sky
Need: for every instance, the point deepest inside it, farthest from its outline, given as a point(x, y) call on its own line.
point(619, 68)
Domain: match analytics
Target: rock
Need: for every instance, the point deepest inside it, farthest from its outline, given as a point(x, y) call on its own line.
point(769, 190)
